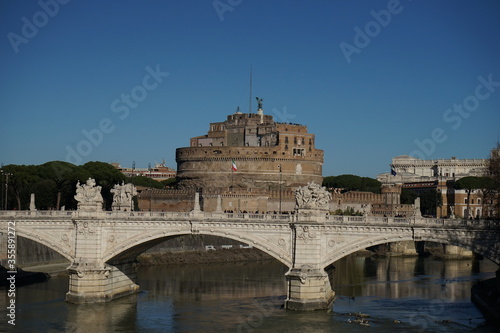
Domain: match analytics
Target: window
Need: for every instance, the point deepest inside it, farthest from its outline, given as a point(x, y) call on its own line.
point(298, 152)
point(465, 200)
point(478, 201)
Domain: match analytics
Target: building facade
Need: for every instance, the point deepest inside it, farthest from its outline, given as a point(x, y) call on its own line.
point(159, 172)
point(440, 175)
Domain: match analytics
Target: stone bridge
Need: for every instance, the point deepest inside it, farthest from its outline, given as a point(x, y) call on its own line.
point(102, 246)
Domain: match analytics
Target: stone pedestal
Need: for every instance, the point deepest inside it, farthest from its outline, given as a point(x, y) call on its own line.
point(309, 289)
point(90, 206)
point(89, 284)
point(312, 215)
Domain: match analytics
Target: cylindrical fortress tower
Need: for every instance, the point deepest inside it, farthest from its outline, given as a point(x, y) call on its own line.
point(259, 147)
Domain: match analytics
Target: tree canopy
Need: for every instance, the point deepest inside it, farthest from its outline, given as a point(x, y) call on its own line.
point(429, 200)
point(473, 183)
point(484, 184)
point(54, 183)
point(352, 183)
point(145, 181)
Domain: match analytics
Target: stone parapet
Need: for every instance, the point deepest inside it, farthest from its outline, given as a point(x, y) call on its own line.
point(257, 167)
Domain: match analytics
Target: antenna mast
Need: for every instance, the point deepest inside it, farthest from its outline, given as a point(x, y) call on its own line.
point(250, 100)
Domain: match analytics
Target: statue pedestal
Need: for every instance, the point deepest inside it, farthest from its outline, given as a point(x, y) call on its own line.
point(312, 215)
point(90, 206)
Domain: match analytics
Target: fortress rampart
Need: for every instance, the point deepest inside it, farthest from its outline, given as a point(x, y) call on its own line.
point(257, 167)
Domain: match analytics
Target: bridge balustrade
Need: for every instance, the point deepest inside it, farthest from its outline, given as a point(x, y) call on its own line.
point(343, 219)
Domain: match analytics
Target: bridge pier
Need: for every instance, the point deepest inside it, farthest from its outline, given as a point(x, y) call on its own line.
point(309, 285)
point(94, 284)
point(309, 289)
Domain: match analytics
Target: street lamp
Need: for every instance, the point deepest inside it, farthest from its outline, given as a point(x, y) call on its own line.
point(279, 166)
point(6, 187)
point(438, 202)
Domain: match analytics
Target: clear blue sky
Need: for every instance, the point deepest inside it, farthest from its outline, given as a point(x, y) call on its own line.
point(367, 96)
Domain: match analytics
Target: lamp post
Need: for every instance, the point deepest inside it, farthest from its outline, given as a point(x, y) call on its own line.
point(6, 187)
point(279, 166)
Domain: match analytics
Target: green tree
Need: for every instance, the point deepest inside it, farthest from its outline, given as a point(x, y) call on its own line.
point(21, 178)
point(170, 182)
point(352, 183)
point(145, 181)
point(408, 196)
point(64, 175)
point(470, 184)
point(429, 200)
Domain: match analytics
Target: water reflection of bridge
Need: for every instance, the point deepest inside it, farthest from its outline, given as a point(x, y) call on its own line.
point(103, 246)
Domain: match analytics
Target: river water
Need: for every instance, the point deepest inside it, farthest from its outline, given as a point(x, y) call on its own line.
point(399, 294)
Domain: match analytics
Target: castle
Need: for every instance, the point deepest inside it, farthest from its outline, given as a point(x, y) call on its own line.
point(250, 150)
point(249, 162)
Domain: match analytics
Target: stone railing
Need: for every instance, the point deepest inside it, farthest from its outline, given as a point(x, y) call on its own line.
point(252, 217)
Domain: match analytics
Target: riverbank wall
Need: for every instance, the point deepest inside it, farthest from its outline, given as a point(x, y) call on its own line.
point(486, 296)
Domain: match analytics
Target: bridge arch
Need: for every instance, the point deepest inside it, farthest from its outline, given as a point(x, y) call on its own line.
point(344, 249)
point(137, 244)
point(59, 245)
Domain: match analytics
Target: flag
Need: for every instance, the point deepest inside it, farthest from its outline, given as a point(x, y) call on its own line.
point(233, 166)
point(393, 172)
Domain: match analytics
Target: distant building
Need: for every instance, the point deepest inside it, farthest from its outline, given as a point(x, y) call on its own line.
point(440, 175)
point(159, 172)
point(406, 169)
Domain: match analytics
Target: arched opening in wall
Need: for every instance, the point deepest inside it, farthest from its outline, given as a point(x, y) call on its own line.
point(363, 278)
point(30, 253)
point(388, 278)
point(204, 266)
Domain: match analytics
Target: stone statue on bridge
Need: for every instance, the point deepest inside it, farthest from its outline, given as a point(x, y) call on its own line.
point(312, 196)
point(122, 197)
point(89, 196)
